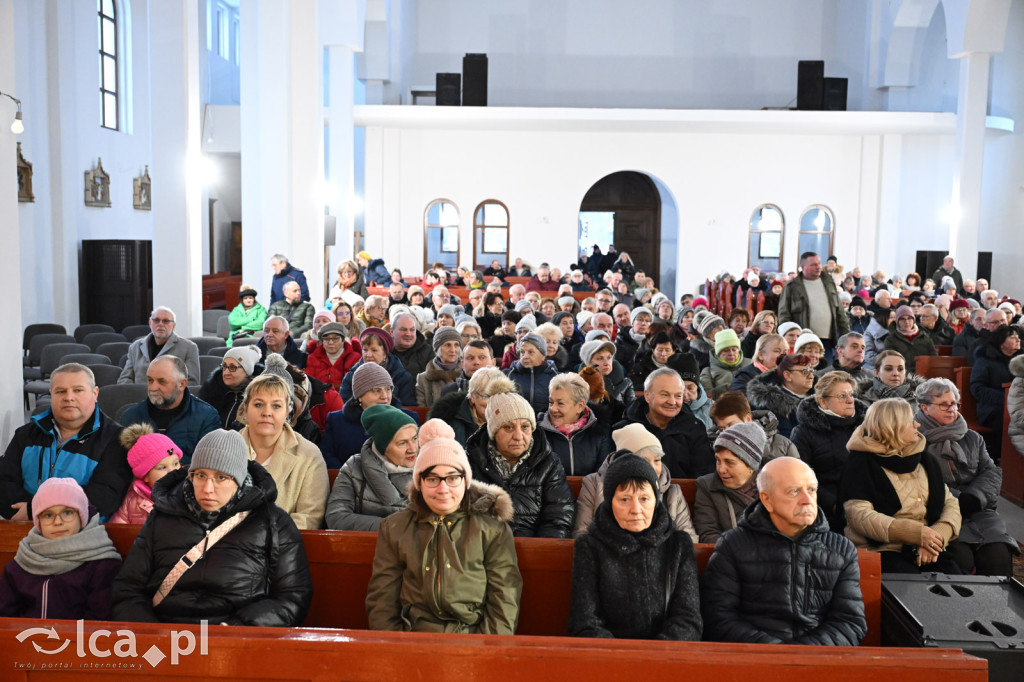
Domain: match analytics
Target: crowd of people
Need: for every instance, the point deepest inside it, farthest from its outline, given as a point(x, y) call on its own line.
point(806, 429)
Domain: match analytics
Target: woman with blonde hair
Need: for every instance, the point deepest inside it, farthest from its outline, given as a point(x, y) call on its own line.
point(894, 497)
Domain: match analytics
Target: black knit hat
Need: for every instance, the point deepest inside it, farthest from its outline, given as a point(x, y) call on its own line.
point(629, 467)
point(857, 301)
point(511, 316)
point(686, 365)
point(1002, 333)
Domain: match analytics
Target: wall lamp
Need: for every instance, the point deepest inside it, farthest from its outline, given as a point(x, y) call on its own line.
point(18, 126)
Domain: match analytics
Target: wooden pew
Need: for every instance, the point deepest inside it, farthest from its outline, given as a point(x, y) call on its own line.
point(968, 405)
point(233, 653)
point(1012, 461)
point(689, 486)
point(935, 366)
point(944, 350)
point(220, 290)
point(340, 563)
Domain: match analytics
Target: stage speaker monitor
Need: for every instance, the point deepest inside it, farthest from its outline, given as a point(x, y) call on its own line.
point(449, 89)
point(474, 80)
point(810, 85)
point(835, 94)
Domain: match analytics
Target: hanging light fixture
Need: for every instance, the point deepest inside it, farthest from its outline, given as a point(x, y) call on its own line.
point(18, 126)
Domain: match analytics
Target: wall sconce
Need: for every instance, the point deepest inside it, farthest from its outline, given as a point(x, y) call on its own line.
point(18, 126)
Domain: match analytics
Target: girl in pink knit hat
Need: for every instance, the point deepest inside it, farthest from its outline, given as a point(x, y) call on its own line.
point(151, 457)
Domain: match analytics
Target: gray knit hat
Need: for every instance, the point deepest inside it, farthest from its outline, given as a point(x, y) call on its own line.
point(246, 356)
point(333, 328)
point(595, 334)
point(746, 440)
point(223, 451)
point(367, 376)
point(528, 321)
point(698, 317)
point(537, 340)
point(588, 349)
point(450, 309)
point(625, 468)
point(503, 408)
point(637, 312)
point(523, 304)
point(278, 366)
point(708, 323)
point(443, 334)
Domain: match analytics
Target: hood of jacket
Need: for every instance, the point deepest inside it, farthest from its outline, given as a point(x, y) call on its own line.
point(1017, 366)
point(810, 414)
point(484, 498)
point(766, 393)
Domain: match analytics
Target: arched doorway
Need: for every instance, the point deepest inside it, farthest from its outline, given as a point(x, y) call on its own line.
point(624, 209)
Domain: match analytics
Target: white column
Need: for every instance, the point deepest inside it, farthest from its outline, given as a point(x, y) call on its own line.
point(341, 152)
point(11, 412)
point(282, 141)
point(965, 203)
point(176, 168)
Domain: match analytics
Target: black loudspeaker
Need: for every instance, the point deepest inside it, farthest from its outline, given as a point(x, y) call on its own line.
point(474, 80)
point(449, 89)
point(810, 85)
point(115, 282)
point(984, 265)
point(835, 94)
point(926, 262)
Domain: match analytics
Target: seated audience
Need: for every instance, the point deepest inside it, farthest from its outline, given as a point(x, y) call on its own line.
point(767, 352)
point(849, 358)
point(827, 422)
point(297, 312)
point(733, 408)
point(466, 411)
point(764, 323)
point(991, 371)
point(443, 368)
point(377, 346)
point(171, 409)
point(906, 338)
point(724, 362)
point(70, 439)
point(224, 387)
point(781, 576)
point(532, 372)
point(65, 566)
point(372, 484)
point(573, 431)
point(634, 574)
point(723, 494)
point(247, 317)
point(512, 454)
point(160, 341)
point(151, 457)
point(278, 339)
point(891, 380)
point(221, 509)
point(894, 497)
point(780, 391)
point(332, 356)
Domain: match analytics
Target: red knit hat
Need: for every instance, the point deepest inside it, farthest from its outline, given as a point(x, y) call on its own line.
point(959, 303)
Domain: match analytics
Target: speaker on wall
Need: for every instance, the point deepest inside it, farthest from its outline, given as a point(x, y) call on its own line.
point(835, 94)
point(474, 80)
point(449, 89)
point(810, 85)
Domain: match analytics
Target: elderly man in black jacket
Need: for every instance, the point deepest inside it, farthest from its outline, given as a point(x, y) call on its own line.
point(752, 591)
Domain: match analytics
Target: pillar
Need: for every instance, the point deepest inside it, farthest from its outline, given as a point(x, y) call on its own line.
point(965, 203)
point(341, 153)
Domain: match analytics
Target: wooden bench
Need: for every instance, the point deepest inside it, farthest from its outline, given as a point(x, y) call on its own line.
point(968, 405)
point(233, 653)
point(340, 563)
point(1012, 461)
point(936, 366)
point(689, 486)
point(944, 350)
point(220, 291)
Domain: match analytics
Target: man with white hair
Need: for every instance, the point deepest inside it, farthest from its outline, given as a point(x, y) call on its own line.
point(989, 299)
point(411, 347)
point(299, 313)
point(942, 332)
point(781, 576)
point(277, 339)
point(161, 340)
point(948, 270)
point(516, 293)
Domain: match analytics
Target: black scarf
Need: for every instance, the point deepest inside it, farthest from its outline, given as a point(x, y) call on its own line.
point(864, 479)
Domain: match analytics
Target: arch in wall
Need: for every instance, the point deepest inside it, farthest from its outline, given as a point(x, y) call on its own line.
point(627, 206)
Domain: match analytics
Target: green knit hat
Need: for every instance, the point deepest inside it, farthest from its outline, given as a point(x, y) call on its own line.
point(726, 339)
point(382, 422)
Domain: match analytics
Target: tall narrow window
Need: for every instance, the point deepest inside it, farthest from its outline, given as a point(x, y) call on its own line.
point(490, 234)
point(441, 234)
point(816, 229)
point(109, 109)
point(764, 246)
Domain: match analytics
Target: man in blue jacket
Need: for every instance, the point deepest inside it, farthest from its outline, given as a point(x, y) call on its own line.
point(72, 439)
point(171, 409)
point(285, 272)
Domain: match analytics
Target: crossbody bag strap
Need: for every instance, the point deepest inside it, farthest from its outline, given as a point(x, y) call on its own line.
point(189, 559)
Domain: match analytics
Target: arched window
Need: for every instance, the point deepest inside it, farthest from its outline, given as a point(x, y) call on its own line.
point(816, 229)
point(441, 234)
point(767, 232)
point(109, 65)
point(490, 234)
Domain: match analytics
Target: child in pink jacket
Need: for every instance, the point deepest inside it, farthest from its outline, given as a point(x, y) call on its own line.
point(151, 456)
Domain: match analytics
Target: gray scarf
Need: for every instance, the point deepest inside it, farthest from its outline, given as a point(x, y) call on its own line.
point(505, 470)
point(884, 390)
point(41, 556)
point(943, 440)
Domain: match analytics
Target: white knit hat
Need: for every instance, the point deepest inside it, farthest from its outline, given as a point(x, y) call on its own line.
point(503, 408)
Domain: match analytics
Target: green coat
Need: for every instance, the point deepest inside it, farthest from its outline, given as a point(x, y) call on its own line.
point(457, 573)
point(794, 306)
point(242, 320)
point(716, 377)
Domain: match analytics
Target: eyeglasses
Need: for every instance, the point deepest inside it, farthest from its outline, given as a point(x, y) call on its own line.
point(66, 516)
point(841, 396)
point(452, 481)
point(946, 406)
point(470, 337)
point(161, 320)
point(230, 368)
point(807, 371)
point(199, 479)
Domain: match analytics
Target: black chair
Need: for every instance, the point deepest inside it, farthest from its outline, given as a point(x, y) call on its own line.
point(117, 396)
point(135, 331)
point(106, 375)
point(245, 341)
point(84, 330)
point(114, 351)
point(53, 357)
point(223, 328)
point(207, 364)
point(219, 352)
point(35, 350)
point(34, 330)
point(97, 339)
point(211, 319)
point(87, 359)
point(206, 343)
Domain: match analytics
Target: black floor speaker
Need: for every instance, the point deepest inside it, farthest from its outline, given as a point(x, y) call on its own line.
point(810, 85)
point(449, 89)
point(835, 94)
point(474, 80)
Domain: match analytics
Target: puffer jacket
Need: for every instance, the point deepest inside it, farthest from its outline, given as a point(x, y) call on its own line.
point(716, 508)
point(643, 365)
point(1015, 403)
point(457, 573)
point(964, 342)
point(761, 586)
point(299, 315)
point(256, 575)
point(634, 585)
point(991, 371)
point(544, 505)
point(776, 445)
point(943, 333)
point(582, 452)
point(186, 428)
point(592, 495)
point(533, 382)
point(403, 382)
point(246, 322)
point(874, 341)
point(702, 350)
point(376, 273)
point(366, 491)
point(300, 476)
point(921, 344)
point(430, 381)
point(717, 376)
point(319, 366)
point(456, 410)
point(226, 400)
point(765, 392)
point(620, 389)
point(821, 440)
point(972, 477)
point(742, 377)
point(684, 440)
point(345, 435)
point(138, 502)
point(626, 348)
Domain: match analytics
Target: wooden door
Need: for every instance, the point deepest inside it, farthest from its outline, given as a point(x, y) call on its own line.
point(635, 201)
point(636, 233)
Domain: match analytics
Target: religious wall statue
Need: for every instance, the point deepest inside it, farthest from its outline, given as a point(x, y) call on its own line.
point(97, 186)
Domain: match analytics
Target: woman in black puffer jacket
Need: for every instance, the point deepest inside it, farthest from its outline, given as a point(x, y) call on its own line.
point(224, 390)
point(255, 575)
point(512, 453)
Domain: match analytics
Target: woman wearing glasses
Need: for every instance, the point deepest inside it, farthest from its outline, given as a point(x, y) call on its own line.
point(780, 390)
point(826, 424)
point(446, 563)
point(248, 565)
point(226, 385)
point(971, 476)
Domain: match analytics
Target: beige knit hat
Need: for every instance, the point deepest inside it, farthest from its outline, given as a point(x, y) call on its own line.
point(503, 408)
point(635, 438)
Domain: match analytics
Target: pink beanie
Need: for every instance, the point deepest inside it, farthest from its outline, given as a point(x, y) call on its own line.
point(148, 450)
point(435, 428)
point(440, 451)
point(60, 491)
